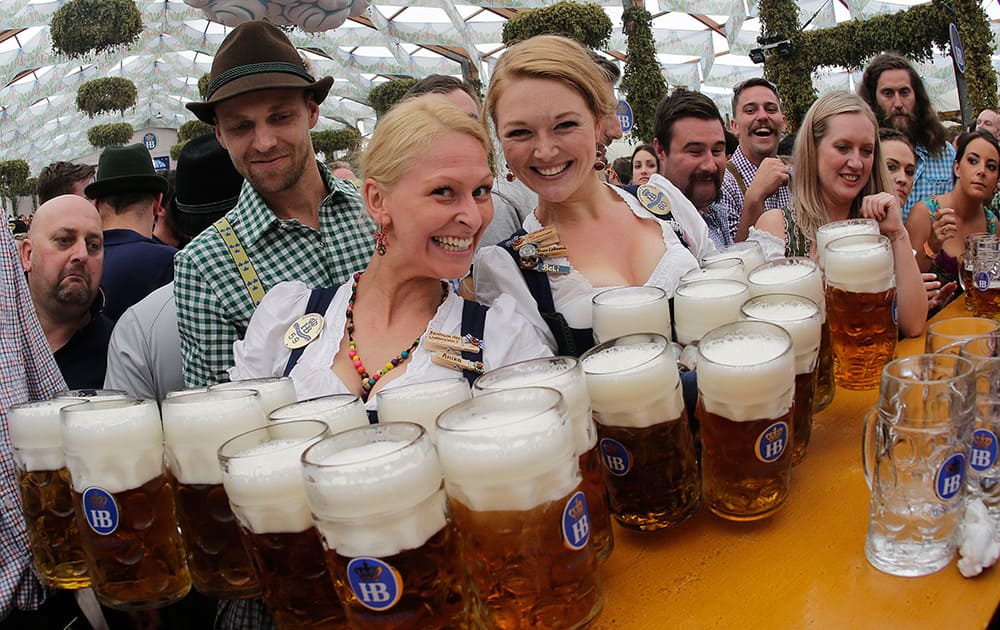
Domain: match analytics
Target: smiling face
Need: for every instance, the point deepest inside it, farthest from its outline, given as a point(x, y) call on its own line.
point(548, 135)
point(845, 157)
point(976, 170)
point(643, 165)
point(902, 165)
point(758, 123)
point(696, 161)
point(436, 212)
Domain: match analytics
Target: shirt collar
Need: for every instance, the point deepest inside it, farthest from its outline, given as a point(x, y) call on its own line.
point(119, 236)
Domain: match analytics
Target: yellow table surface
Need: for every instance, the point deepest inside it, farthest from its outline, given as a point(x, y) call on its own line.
point(803, 567)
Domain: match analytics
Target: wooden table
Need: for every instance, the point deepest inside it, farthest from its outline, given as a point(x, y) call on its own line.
point(803, 567)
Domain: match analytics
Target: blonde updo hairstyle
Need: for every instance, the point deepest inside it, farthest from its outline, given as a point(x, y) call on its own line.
point(556, 58)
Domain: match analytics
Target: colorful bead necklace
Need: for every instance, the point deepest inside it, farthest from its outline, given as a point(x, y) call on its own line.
point(368, 381)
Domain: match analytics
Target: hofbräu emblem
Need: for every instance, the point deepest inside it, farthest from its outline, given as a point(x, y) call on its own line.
point(771, 443)
point(616, 457)
point(950, 477)
point(377, 585)
point(100, 510)
point(576, 522)
point(984, 450)
point(304, 331)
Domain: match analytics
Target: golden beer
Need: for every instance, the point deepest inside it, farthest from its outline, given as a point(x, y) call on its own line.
point(46, 501)
point(802, 414)
point(826, 381)
point(114, 453)
point(645, 440)
point(746, 380)
point(515, 492)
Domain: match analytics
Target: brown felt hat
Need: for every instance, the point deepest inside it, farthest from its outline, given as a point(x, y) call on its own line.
point(256, 56)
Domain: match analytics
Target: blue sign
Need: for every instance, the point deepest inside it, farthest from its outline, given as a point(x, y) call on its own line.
point(100, 510)
point(161, 163)
point(957, 51)
point(625, 116)
point(149, 140)
point(376, 584)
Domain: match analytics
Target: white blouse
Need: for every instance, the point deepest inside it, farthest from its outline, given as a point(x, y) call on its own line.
point(508, 338)
point(496, 274)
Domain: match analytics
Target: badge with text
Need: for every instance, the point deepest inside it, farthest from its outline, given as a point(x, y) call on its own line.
point(950, 477)
point(304, 331)
point(984, 450)
point(100, 510)
point(616, 457)
point(653, 199)
point(576, 522)
point(771, 443)
point(376, 584)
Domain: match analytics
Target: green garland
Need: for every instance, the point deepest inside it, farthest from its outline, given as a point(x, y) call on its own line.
point(203, 83)
point(192, 129)
point(110, 94)
point(643, 83)
point(13, 175)
point(81, 26)
point(112, 134)
point(586, 23)
point(175, 151)
point(329, 141)
point(385, 95)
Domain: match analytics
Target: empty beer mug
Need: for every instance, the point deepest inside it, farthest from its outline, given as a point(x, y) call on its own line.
point(948, 335)
point(916, 442)
point(967, 268)
point(984, 457)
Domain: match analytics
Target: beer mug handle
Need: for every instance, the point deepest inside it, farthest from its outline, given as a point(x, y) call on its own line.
point(869, 448)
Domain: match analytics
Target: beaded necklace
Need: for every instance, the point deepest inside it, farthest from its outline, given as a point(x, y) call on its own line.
point(368, 381)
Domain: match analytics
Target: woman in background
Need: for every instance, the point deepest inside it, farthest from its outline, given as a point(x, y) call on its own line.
point(644, 164)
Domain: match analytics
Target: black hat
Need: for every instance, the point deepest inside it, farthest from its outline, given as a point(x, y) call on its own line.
point(207, 185)
point(124, 170)
point(256, 56)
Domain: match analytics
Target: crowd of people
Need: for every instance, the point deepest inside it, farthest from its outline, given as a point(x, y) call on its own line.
point(149, 286)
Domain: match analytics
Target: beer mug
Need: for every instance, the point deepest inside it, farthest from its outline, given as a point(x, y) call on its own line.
point(46, 500)
point(801, 276)
point(194, 427)
point(516, 496)
point(703, 305)
point(263, 479)
point(643, 432)
point(626, 310)
point(948, 335)
point(746, 384)
point(378, 500)
point(725, 269)
point(114, 453)
point(800, 318)
point(984, 463)
point(967, 267)
point(84, 395)
point(829, 232)
point(185, 392)
point(565, 375)
point(916, 441)
point(340, 412)
point(747, 251)
point(861, 306)
point(421, 402)
point(275, 391)
point(986, 277)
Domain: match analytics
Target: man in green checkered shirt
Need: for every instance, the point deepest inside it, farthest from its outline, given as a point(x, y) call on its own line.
point(293, 220)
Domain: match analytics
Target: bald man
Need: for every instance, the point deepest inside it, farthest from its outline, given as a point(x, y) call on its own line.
point(63, 257)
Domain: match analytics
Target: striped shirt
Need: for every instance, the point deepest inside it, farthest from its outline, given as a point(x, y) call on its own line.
point(213, 303)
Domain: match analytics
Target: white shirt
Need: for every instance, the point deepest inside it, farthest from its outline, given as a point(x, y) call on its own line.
point(507, 336)
point(496, 273)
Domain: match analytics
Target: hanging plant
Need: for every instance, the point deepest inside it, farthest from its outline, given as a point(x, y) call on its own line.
point(192, 129)
point(175, 151)
point(13, 174)
point(586, 23)
point(385, 95)
point(329, 141)
point(203, 84)
point(110, 135)
point(110, 94)
point(81, 26)
point(643, 83)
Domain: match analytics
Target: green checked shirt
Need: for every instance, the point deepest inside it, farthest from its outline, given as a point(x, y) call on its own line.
point(213, 304)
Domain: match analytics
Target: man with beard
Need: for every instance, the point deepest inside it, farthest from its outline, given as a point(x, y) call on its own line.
point(690, 142)
point(293, 219)
point(63, 257)
point(755, 179)
point(894, 91)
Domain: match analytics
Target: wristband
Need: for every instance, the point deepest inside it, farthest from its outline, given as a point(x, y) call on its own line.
point(930, 253)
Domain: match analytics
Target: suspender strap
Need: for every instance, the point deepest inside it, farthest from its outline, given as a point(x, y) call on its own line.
point(372, 416)
point(319, 301)
point(473, 323)
point(739, 178)
point(243, 264)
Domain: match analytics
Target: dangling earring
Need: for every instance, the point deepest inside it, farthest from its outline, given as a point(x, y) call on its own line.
point(602, 162)
point(509, 176)
point(380, 241)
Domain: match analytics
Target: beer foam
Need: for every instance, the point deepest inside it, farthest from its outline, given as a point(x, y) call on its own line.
point(265, 487)
point(35, 434)
point(701, 306)
point(275, 391)
point(838, 229)
point(421, 403)
point(620, 312)
point(115, 445)
point(859, 267)
point(634, 385)
point(715, 273)
point(797, 318)
point(196, 425)
point(747, 251)
point(733, 384)
point(340, 412)
point(797, 278)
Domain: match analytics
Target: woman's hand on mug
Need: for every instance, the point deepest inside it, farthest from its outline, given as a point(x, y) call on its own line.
point(884, 208)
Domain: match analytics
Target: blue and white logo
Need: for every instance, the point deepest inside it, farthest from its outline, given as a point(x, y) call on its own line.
point(625, 116)
point(101, 511)
point(616, 457)
point(982, 281)
point(950, 477)
point(984, 450)
point(149, 140)
point(771, 442)
point(376, 584)
point(576, 522)
point(895, 312)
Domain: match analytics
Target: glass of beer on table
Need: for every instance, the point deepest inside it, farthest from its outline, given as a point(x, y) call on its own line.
point(194, 427)
point(84, 395)
point(702, 305)
point(516, 496)
point(986, 277)
point(340, 412)
point(800, 317)
point(378, 500)
point(829, 232)
point(861, 305)
point(124, 503)
point(421, 402)
point(565, 375)
point(626, 310)
point(746, 385)
point(644, 435)
point(262, 475)
point(275, 391)
point(46, 500)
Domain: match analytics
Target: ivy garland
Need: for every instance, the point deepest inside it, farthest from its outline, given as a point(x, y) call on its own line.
point(385, 95)
point(586, 23)
point(203, 83)
point(643, 83)
point(81, 26)
point(110, 94)
point(112, 134)
point(192, 129)
point(329, 141)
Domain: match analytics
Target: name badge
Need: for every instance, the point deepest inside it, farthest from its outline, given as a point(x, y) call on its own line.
point(304, 331)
